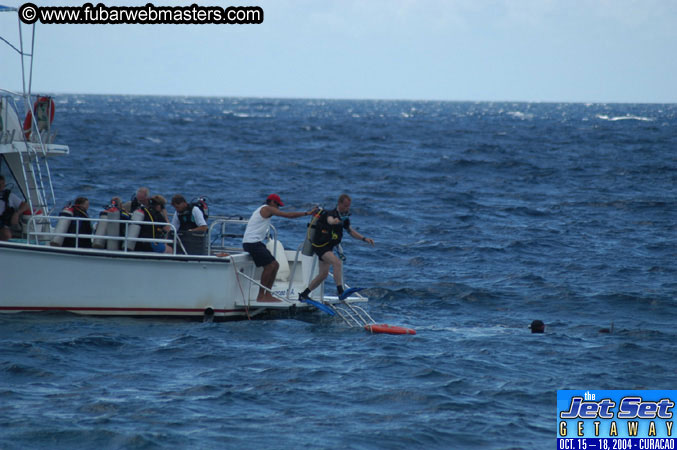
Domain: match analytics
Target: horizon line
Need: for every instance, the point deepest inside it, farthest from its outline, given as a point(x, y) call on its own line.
point(420, 100)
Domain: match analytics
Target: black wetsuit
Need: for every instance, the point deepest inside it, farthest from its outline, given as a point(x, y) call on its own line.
point(84, 231)
point(6, 217)
point(150, 231)
point(186, 220)
point(328, 236)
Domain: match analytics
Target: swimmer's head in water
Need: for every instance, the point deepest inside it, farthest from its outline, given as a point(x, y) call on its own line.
point(537, 326)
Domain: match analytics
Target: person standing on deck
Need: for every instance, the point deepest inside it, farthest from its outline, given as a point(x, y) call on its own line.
point(252, 242)
point(187, 217)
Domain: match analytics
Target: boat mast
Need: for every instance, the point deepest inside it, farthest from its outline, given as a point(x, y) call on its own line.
point(31, 169)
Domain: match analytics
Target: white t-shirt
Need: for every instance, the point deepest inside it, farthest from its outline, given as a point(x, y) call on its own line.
point(257, 227)
point(14, 202)
point(198, 217)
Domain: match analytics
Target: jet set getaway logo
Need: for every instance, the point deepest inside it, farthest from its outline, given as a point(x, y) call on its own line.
point(618, 420)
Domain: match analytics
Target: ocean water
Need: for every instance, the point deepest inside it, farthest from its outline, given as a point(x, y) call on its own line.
point(486, 216)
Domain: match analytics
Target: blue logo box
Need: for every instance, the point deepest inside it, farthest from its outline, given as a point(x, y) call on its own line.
point(616, 414)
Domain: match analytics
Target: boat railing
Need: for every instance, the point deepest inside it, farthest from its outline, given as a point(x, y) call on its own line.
point(220, 231)
point(36, 234)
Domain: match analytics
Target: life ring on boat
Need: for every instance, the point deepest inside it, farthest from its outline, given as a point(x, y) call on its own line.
point(388, 329)
point(44, 108)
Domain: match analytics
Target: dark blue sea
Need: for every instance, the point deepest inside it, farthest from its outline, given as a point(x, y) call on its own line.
point(486, 216)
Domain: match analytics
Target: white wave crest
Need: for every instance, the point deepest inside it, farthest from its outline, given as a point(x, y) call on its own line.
point(626, 117)
point(520, 115)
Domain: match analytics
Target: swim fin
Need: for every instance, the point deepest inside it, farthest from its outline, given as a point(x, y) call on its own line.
point(319, 306)
point(348, 292)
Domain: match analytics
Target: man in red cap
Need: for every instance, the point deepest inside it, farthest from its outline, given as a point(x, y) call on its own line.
point(255, 233)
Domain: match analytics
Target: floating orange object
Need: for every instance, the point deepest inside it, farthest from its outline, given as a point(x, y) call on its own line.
point(388, 329)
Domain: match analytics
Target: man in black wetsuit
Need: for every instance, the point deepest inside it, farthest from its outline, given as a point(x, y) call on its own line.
point(81, 229)
point(328, 234)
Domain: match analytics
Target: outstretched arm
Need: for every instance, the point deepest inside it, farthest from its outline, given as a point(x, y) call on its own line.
point(357, 235)
point(289, 214)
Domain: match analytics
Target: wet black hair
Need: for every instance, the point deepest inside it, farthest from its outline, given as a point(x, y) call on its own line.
point(537, 326)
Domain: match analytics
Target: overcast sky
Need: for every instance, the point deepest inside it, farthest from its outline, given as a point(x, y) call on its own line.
point(512, 50)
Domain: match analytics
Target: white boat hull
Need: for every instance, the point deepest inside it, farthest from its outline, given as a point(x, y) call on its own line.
point(41, 278)
point(102, 282)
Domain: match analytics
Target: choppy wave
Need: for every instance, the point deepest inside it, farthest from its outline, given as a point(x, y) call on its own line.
point(626, 117)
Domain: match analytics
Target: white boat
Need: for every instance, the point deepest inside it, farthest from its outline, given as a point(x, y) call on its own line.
point(111, 280)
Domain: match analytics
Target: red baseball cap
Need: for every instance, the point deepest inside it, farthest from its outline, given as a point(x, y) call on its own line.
point(275, 198)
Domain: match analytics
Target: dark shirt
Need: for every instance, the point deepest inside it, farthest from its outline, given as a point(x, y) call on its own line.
point(186, 220)
point(82, 227)
point(8, 211)
point(330, 235)
point(149, 231)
